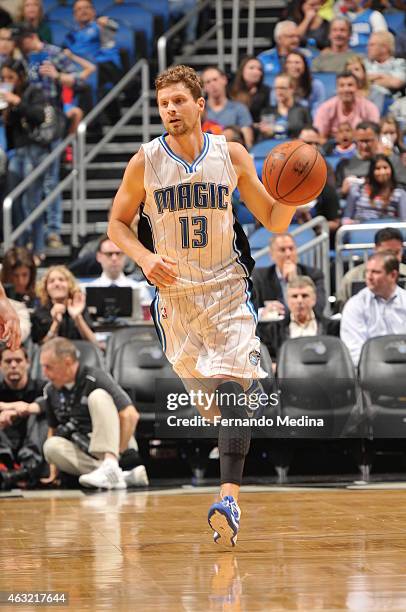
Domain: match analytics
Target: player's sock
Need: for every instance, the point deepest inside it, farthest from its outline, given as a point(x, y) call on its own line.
point(234, 438)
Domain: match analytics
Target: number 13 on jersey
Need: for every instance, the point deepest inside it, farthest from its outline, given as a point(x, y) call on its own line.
point(196, 235)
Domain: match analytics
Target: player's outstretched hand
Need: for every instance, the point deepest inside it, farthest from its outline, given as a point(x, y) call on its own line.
point(159, 269)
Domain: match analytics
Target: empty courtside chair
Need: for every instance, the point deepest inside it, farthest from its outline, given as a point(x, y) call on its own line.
point(382, 376)
point(141, 368)
point(123, 335)
point(316, 379)
point(89, 354)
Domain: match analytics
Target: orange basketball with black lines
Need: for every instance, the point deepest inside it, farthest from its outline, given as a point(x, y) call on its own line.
point(294, 173)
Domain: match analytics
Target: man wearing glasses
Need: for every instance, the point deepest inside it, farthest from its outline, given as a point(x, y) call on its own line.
point(112, 261)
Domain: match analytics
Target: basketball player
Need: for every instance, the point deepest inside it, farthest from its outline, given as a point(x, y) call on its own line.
point(10, 332)
point(199, 261)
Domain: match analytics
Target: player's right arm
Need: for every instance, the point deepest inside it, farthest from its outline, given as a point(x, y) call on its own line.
point(158, 269)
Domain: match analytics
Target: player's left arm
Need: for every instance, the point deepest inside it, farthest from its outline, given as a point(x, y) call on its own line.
point(272, 214)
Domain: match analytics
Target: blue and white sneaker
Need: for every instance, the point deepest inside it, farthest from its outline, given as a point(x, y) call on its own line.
point(224, 519)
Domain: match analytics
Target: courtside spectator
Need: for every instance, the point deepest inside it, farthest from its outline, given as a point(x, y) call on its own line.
point(311, 28)
point(220, 108)
point(307, 90)
point(248, 86)
point(287, 117)
point(347, 105)
point(387, 239)
point(62, 310)
point(334, 57)
point(364, 20)
point(354, 170)
point(94, 40)
point(24, 113)
point(391, 136)
point(366, 88)
point(51, 69)
point(8, 48)
point(286, 39)
point(112, 261)
point(18, 275)
point(344, 146)
point(32, 15)
point(379, 197)
point(300, 319)
point(377, 310)
point(387, 72)
point(270, 284)
point(22, 434)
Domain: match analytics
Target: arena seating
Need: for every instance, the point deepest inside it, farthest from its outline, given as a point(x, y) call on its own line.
point(382, 370)
point(316, 378)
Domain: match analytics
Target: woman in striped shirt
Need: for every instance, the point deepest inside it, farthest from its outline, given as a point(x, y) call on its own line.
point(379, 197)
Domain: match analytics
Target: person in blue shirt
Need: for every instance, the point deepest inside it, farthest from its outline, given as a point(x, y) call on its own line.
point(94, 40)
point(287, 39)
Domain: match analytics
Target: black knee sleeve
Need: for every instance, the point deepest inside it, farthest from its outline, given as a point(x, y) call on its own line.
point(234, 438)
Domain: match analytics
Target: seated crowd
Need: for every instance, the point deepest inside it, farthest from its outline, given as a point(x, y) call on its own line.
point(51, 421)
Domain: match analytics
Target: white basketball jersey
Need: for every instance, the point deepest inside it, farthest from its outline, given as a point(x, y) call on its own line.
point(189, 211)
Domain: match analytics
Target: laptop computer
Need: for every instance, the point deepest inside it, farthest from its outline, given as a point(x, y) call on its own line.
point(110, 302)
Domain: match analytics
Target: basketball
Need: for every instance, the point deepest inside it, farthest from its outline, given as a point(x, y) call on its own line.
point(294, 173)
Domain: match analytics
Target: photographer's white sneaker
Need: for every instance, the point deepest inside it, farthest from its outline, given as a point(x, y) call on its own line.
point(107, 476)
point(137, 477)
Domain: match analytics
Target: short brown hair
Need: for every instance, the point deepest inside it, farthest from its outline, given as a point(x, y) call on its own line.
point(388, 259)
point(21, 348)
point(181, 74)
point(18, 257)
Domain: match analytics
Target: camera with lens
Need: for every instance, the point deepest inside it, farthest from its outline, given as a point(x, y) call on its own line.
point(28, 472)
point(70, 431)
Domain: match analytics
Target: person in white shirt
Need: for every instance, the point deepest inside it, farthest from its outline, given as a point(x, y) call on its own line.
point(377, 310)
point(385, 71)
point(112, 260)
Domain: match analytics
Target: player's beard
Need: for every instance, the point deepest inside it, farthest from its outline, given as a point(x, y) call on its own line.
point(180, 129)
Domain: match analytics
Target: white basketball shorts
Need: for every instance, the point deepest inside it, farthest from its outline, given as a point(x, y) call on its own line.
point(209, 334)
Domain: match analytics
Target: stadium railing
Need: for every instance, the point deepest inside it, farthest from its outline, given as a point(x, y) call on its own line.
point(76, 179)
point(217, 29)
point(313, 252)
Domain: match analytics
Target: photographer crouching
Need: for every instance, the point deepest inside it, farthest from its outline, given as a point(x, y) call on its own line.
point(91, 421)
point(22, 434)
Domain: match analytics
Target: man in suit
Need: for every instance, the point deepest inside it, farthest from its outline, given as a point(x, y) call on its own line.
point(300, 319)
point(270, 284)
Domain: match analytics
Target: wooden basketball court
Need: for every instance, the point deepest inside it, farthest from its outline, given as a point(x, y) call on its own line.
point(298, 549)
